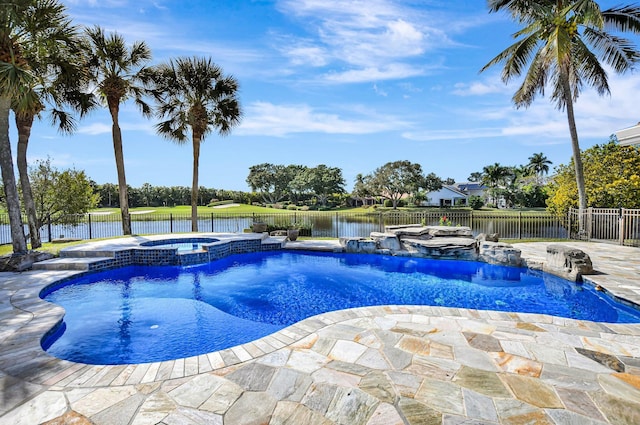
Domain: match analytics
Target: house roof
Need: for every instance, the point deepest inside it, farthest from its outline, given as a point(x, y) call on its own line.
point(470, 186)
point(629, 136)
point(454, 190)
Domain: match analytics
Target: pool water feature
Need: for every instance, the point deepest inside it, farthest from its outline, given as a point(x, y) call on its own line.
point(140, 314)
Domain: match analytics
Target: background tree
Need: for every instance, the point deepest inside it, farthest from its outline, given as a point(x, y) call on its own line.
point(613, 176)
point(476, 176)
point(561, 44)
point(538, 166)
point(324, 181)
point(59, 195)
point(270, 181)
point(495, 176)
point(192, 94)
point(119, 73)
point(396, 179)
point(362, 188)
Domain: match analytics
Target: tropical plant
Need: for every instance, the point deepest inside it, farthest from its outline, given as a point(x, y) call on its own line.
point(562, 44)
point(193, 93)
point(119, 73)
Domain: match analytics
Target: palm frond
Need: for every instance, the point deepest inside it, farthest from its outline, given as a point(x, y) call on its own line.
point(618, 52)
point(623, 18)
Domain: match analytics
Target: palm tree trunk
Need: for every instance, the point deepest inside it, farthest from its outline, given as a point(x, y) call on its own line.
point(122, 179)
point(18, 240)
point(24, 123)
point(194, 184)
point(577, 156)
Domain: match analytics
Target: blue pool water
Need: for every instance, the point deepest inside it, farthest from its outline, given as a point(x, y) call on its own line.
point(141, 314)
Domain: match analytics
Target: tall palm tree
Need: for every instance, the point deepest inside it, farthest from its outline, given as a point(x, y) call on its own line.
point(119, 73)
point(193, 93)
point(562, 44)
point(59, 85)
point(538, 165)
point(28, 29)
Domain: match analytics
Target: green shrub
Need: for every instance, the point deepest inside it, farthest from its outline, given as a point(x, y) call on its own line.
point(388, 203)
point(476, 202)
point(292, 207)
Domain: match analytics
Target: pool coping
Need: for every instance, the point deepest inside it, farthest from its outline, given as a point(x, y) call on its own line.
point(22, 357)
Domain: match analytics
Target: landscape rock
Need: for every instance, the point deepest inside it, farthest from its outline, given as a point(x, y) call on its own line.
point(22, 261)
point(499, 253)
point(387, 241)
point(566, 262)
point(491, 237)
point(359, 245)
point(443, 247)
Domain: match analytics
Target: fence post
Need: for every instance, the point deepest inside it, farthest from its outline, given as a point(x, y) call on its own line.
point(621, 226)
point(170, 222)
point(471, 220)
point(380, 222)
point(90, 232)
point(519, 224)
point(49, 226)
point(337, 229)
point(211, 222)
point(569, 223)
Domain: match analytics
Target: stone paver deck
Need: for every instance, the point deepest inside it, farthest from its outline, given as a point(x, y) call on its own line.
point(371, 366)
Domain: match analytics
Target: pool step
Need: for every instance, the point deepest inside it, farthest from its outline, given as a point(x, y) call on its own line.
point(70, 253)
point(74, 263)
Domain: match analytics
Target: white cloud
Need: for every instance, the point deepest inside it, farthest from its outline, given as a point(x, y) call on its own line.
point(95, 129)
point(375, 39)
point(597, 117)
point(479, 88)
point(268, 119)
point(391, 72)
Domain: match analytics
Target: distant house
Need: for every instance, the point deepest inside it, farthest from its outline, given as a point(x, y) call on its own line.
point(448, 196)
point(629, 136)
point(472, 189)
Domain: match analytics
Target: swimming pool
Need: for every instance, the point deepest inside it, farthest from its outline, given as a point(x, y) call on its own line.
point(140, 314)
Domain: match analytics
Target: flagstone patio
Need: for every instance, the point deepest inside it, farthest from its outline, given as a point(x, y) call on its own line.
point(371, 366)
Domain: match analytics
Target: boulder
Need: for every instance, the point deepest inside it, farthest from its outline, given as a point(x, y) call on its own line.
point(442, 247)
point(491, 237)
point(450, 231)
point(499, 253)
point(566, 262)
point(359, 245)
point(388, 241)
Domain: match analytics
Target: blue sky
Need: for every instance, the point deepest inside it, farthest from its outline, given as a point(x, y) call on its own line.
point(350, 84)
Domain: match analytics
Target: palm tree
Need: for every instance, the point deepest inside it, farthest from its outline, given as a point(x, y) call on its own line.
point(538, 165)
point(119, 73)
point(495, 176)
point(554, 44)
point(193, 93)
point(59, 85)
point(28, 28)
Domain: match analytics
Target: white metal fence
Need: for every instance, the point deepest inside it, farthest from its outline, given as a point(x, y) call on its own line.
point(614, 225)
